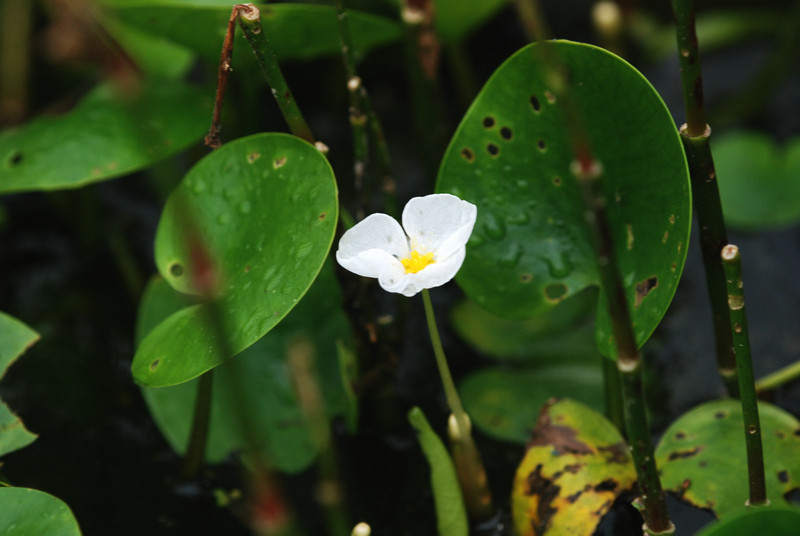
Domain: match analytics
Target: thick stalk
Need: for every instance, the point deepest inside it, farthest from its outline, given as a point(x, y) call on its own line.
point(469, 466)
point(741, 346)
point(612, 388)
point(250, 22)
point(629, 363)
point(713, 235)
point(201, 418)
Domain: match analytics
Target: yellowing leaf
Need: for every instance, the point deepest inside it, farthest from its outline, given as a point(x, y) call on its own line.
point(576, 465)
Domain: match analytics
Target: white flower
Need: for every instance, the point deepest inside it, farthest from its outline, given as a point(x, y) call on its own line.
point(425, 252)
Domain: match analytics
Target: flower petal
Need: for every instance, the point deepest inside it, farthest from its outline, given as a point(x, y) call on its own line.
point(441, 223)
point(369, 245)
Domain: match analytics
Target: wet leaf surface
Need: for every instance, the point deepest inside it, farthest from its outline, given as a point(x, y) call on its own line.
point(252, 224)
point(576, 465)
point(511, 156)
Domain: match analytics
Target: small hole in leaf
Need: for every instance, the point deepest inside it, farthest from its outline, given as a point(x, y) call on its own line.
point(488, 122)
point(541, 145)
point(323, 216)
point(720, 415)
point(525, 278)
point(493, 149)
point(555, 292)
point(680, 435)
point(557, 181)
point(467, 154)
point(643, 288)
point(15, 159)
point(279, 162)
point(535, 104)
point(176, 269)
point(783, 476)
point(252, 157)
point(506, 133)
point(154, 364)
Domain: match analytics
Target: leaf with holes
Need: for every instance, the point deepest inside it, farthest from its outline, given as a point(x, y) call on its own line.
point(702, 456)
point(759, 183)
point(259, 379)
point(575, 467)
point(15, 339)
point(511, 156)
point(29, 512)
point(105, 136)
point(504, 402)
point(774, 521)
point(202, 28)
point(255, 219)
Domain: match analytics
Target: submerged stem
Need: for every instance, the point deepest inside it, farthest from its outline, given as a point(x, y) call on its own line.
point(732, 262)
point(471, 473)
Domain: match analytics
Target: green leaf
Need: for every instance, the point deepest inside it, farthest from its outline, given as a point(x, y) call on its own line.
point(15, 339)
point(759, 183)
point(526, 339)
point(29, 512)
point(456, 19)
point(575, 467)
point(105, 136)
point(450, 513)
point(154, 55)
point(772, 520)
point(504, 402)
point(265, 209)
point(288, 26)
point(259, 380)
point(511, 156)
point(702, 456)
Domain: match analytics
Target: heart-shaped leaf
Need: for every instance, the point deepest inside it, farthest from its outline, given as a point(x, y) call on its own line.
point(288, 26)
point(261, 211)
point(512, 157)
point(759, 184)
point(107, 135)
point(15, 338)
point(702, 455)
point(29, 512)
point(259, 379)
point(575, 467)
point(504, 402)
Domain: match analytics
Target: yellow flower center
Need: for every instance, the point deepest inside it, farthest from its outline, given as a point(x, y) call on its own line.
point(417, 262)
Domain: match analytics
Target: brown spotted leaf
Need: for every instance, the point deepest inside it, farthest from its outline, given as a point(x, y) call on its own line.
point(575, 467)
point(703, 460)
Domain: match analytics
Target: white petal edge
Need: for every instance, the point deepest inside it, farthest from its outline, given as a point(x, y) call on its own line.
point(441, 223)
point(370, 244)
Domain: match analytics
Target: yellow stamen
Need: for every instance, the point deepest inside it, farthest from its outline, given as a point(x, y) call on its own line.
point(417, 262)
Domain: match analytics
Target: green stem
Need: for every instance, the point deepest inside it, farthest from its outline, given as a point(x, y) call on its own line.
point(713, 235)
point(629, 363)
point(250, 22)
point(732, 262)
point(613, 394)
point(471, 473)
point(778, 378)
point(198, 437)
